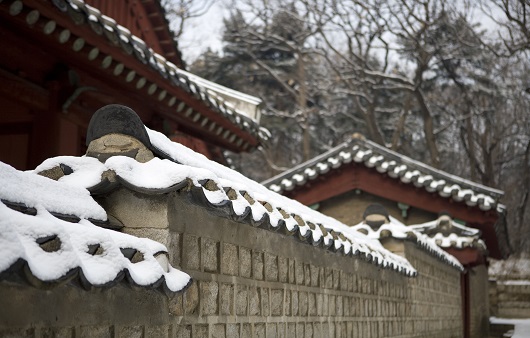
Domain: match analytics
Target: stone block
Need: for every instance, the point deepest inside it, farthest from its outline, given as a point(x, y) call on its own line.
point(308, 330)
point(175, 249)
point(136, 210)
point(332, 305)
point(126, 331)
point(287, 303)
point(265, 302)
point(254, 302)
point(300, 330)
point(259, 330)
point(336, 279)
point(257, 265)
point(246, 330)
point(291, 330)
point(319, 302)
point(68, 332)
point(272, 330)
point(159, 235)
point(191, 253)
point(312, 301)
point(210, 255)
point(325, 305)
point(232, 330)
point(176, 303)
point(218, 331)
point(17, 333)
point(226, 303)
point(346, 301)
point(95, 332)
point(245, 262)
point(339, 306)
point(326, 332)
point(200, 331)
point(328, 275)
point(191, 299)
point(299, 272)
point(271, 267)
point(241, 300)
point(294, 302)
point(282, 330)
point(230, 260)
point(157, 331)
point(209, 293)
point(304, 303)
point(283, 269)
point(183, 331)
point(307, 274)
point(276, 302)
point(292, 279)
point(315, 272)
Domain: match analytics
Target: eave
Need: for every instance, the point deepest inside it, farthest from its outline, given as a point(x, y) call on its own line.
point(128, 70)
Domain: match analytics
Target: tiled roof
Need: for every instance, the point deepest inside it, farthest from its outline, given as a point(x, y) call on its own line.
point(241, 109)
point(47, 237)
point(398, 230)
point(395, 165)
point(456, 236)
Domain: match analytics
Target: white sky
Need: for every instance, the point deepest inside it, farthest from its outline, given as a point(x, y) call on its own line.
point(203, 32)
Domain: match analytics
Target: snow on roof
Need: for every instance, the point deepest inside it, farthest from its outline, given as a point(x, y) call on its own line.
point(457, 236)
point(398, 230)
point(219, 187)
point(55, 250)
point(395, 165)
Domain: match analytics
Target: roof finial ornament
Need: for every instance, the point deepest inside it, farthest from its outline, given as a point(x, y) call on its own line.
point(358, 136)
point(376, 215)
point(117, 130)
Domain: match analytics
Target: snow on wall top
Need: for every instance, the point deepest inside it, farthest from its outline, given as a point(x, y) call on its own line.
point(222, 188)
point(395, 165)
point(398, 230)
point(54, 250)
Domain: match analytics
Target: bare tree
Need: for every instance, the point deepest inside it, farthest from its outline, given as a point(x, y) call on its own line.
point(179, 12)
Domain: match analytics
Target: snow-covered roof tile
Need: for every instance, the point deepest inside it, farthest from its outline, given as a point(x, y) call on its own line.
point(52, 250)
point(398, 230)
point(449, 234)
point(398, 166)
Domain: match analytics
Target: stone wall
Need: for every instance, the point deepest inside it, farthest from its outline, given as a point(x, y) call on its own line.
point(510, 299)
point(251, 282)
point(248, 282)
point(71, 311)
point(349, 207)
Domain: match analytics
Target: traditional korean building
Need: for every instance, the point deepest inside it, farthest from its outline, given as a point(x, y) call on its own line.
point(348, 179)
point(63, 59)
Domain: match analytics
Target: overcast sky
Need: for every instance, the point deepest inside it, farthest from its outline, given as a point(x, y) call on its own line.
point(203, 32)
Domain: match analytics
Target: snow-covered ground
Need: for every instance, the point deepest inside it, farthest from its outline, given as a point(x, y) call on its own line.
point(522, 326)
